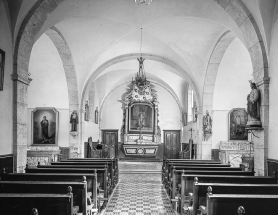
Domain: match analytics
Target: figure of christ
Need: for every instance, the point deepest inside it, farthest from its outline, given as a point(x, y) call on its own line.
point(141, 119)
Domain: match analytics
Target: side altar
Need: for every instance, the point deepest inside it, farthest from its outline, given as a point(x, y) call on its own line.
point(140, 132)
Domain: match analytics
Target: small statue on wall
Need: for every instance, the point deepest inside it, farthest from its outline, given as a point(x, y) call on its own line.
point(207, 125)
point(253, 106)
point(74, 120)
point(96, 115)
point(87, 114)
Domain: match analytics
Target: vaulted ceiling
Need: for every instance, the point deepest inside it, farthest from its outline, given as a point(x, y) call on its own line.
point(183, 33)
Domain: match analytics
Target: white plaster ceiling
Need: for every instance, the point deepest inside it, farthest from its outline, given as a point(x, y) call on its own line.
point(184, 32)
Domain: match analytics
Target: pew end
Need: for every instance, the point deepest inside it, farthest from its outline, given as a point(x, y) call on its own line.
point(241, 210)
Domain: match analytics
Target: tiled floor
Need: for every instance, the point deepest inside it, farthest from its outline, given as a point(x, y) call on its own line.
point(139, 194)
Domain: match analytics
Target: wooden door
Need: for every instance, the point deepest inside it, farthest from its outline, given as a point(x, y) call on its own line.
point(171, 144)
point(110, 143)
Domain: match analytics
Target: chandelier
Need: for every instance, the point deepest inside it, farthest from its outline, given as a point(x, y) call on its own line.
point(146, 2)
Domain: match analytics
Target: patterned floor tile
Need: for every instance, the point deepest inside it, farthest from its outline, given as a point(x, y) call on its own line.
point(139, 193)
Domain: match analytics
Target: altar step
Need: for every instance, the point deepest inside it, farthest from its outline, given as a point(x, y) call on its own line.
point(138, 171)
point(140, 159)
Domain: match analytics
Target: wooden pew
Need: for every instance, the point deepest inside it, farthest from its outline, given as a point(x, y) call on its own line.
point(228, 204)
point(76, 166)
point(100, 177)
point(200, 191)
point(23, 203)
point(79, 190)
point(188, 181)
point(52, 177)
point(176, 175)
point(113, 173)
point(170, 165)
point(166, 161)
point(115, 161)
point(175, 169)
point(100, 172)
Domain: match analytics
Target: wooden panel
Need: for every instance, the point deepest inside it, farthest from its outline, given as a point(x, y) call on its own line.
point(6, 161)
point(272, 167)
point(110, 142)
point(171, 144)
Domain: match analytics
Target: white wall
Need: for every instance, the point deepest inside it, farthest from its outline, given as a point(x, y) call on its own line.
point(169, 113)
point(231, 88)
point(6, 96)
point(49, 86)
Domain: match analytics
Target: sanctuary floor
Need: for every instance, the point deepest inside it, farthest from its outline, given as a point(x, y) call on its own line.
point(139, 191)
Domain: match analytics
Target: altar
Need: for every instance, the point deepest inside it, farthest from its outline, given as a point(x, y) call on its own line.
point(140, 132)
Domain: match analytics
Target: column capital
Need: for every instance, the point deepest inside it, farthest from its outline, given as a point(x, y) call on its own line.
point(22, 79)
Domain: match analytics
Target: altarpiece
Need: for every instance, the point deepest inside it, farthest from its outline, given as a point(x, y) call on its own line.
point(140, 131)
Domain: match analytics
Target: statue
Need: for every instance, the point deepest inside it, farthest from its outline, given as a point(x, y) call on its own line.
point(207, 124)
point(86, 115)
point(74, 120)
point(96, 115)
point(253, 106)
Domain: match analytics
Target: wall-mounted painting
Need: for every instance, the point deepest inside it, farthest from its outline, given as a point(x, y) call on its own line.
point(238, 118)
point(45, 121)
point(141, 117)
point(2, 67)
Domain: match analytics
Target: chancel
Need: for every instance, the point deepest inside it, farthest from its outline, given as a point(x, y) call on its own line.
point(138, 107)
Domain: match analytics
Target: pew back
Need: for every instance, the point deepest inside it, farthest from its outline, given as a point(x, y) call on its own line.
point(19, 203)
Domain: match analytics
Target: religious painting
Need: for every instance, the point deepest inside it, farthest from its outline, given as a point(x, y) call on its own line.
point(238, 118)
point(141, 117)
point(45, 126)
point(2, 67)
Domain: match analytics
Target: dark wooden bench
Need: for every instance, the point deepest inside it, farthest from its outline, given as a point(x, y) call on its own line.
point(92, 167)
point(170, 165)
point(114, 161)
point(52, 177)
point(113, 173)
point(189, 179)
point(165, 161)
point(177, 169)
point(51, 187)
point(176, 178)
point(101, 175)
point(23, 203)
point(228, 204)
point(200, 191)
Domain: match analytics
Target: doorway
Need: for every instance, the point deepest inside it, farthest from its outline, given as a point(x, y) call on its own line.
point(171, 144)
point(110, 143)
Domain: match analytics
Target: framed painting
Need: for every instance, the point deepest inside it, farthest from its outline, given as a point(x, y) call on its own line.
point(45, 121)
point(141, 116)
point(238, 118)
point(2, 67)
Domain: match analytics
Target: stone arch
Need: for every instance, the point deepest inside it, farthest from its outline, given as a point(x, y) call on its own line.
point(213, 66)
point(65, 54)
point(37, 16)
point(64, 51)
